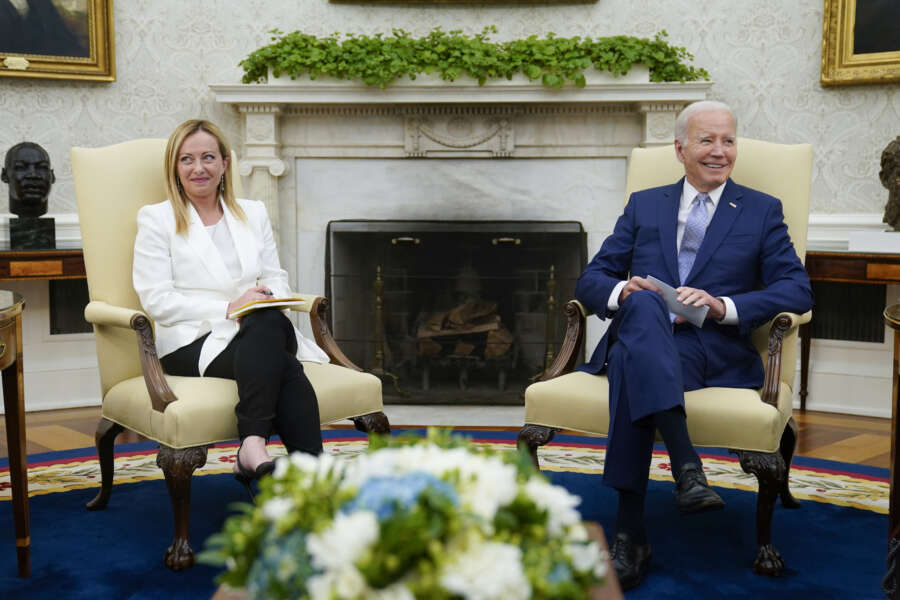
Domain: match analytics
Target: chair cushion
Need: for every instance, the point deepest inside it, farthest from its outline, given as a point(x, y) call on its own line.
point(204, 411)
point(717, 417)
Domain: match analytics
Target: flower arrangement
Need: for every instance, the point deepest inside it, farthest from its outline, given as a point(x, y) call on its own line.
point(433, 518)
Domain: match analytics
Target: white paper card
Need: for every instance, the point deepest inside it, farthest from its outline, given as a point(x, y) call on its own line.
point(695, 315)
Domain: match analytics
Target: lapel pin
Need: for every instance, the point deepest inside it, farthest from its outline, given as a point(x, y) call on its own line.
point(732, 205)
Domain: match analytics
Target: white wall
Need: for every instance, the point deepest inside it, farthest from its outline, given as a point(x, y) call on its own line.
point(763, 56)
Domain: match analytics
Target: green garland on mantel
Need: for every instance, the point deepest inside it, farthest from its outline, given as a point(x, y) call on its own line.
point(380, 59)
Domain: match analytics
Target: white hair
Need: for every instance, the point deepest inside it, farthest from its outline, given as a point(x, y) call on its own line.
point(685, 116)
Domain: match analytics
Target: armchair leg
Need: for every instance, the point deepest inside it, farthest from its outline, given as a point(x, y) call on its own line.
point(771, 472)
point(376, 422)
point(105, 439)
point(178, 466)
point(533, 436)
point(788, 446)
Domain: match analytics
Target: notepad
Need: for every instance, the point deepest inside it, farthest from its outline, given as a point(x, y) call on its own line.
point(267, 303)
point(695, 315)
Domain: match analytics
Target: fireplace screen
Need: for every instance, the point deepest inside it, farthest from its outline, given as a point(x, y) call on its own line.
point(452, 312)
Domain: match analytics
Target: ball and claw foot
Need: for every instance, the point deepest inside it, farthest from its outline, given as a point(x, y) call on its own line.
point(768, 561)
point(179, 555)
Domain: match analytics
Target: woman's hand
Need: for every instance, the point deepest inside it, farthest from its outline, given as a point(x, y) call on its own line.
point(259, 292)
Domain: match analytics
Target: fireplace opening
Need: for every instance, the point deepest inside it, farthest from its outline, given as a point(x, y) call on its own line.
point(452, 312)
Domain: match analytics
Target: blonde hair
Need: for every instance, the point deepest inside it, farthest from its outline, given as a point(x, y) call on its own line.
point(176, 194)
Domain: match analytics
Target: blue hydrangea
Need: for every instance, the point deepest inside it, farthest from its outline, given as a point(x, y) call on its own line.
point(384, 495)
point(281, 569)
point(560, 573)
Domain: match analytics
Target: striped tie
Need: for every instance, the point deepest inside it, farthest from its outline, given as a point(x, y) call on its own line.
point(694, 230)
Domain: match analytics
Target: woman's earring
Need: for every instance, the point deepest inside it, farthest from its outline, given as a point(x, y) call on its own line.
point(222, 185)
point(178, 185)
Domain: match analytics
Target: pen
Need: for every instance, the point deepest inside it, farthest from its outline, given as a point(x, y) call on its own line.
point(264, 292)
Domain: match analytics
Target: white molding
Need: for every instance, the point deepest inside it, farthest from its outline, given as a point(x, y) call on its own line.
point(600, 88)
point(831, 232)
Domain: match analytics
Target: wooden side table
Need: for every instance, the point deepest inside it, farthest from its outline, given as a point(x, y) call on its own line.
point(11, 306)
point(19, 265)
point(891, 583)
point(843, 267)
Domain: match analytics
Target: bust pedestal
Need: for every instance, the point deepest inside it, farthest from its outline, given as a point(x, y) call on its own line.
point(32, 233)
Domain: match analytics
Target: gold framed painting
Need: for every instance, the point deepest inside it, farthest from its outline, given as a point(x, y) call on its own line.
point(57, 39)
point(860, 42)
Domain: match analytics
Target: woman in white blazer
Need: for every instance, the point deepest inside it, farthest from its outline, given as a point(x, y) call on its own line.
point(197, 257)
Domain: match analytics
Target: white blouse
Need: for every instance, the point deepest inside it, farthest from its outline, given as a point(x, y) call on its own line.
point(221, 237)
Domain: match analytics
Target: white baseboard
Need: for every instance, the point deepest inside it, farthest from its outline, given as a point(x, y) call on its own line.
point(848, 377)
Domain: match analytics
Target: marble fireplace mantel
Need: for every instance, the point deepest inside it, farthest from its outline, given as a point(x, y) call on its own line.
point(433, 118)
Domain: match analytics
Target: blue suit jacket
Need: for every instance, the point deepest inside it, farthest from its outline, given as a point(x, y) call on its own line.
point(746, 254)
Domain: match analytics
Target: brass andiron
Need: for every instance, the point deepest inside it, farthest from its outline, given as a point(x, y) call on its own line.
point(550, 329)
point(378, 369)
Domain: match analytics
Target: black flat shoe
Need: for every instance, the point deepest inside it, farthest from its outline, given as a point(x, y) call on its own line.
point(692, 492)
point(630, 561)
point(246, 476)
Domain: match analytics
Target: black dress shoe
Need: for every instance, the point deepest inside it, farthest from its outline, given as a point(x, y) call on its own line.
point(692, 492)
point(246, 476)
point(631, 561)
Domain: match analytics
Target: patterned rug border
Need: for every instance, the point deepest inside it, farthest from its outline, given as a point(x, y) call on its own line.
point(829, 482)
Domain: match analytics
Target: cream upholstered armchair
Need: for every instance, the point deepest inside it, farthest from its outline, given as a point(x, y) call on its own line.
point(755, 424)
point(184, 414)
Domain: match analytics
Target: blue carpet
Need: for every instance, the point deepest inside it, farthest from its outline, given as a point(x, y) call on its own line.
point(831, 551)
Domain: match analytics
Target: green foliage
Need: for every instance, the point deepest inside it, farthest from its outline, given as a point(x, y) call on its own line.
point(380, 59)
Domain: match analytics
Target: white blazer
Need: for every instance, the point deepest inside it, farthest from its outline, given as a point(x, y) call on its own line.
point(185, 287)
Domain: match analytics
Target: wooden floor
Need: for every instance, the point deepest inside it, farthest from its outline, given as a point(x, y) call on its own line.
point(847, 438)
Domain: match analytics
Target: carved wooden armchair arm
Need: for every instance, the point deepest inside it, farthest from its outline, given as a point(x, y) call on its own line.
point(317, 307)
point(576, 315)
point(101, 313)
point(781, 326)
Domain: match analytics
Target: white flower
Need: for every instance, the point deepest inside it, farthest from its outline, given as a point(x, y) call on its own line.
point(487, 571)
point(486, 483)
point(276, 509)
point(587, 558)
point(306, 463)
point(559, 504)
point(396, 591)
point(346, 582)
point(577, 533)
point(343, 541)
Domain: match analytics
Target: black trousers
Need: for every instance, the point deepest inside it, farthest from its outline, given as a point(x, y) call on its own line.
point(274, 395)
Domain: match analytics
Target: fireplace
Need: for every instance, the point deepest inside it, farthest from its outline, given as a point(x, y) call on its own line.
point(452, 311)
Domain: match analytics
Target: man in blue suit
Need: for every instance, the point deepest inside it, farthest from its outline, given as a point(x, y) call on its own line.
point(721, 245)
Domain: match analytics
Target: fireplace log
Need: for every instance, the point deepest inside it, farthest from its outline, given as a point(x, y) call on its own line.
point(499, 342)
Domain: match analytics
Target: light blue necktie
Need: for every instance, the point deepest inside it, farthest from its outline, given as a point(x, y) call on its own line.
point(694, 230)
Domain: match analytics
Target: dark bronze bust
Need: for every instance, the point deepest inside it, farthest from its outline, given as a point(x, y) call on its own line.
point(890, 178)
point(27, 171)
